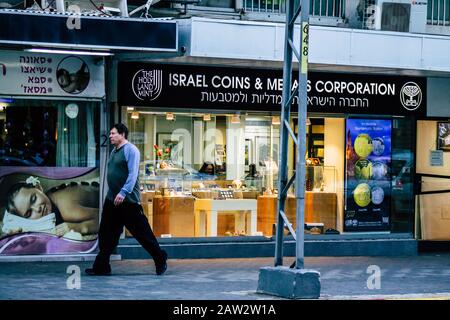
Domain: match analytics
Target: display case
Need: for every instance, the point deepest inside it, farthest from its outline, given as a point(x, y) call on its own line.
point(173, 216)
point(169, 181)
point(320, 208)
point(183, 203)
point(167, 201)
point(320, 202)
point(320, 178)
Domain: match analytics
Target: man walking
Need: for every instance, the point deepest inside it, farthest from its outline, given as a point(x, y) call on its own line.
point(122, 206)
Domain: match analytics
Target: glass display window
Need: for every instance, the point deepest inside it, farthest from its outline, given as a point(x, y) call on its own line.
point(209, 159)
point(49, 133)
point(49, 176)
point(220, 161)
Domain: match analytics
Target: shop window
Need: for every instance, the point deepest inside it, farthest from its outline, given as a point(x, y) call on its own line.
point(315, 139)
point(192, 165)
point(202, 175)
point(49, 134)
point(222, 180)
point(49, 177)
point(402, 170)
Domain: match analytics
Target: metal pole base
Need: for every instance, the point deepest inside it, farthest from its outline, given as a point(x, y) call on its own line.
point(289, 283)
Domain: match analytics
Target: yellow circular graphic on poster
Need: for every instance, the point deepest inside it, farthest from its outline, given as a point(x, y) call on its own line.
point(363, 145)
point(361, 194)
point(363, 169)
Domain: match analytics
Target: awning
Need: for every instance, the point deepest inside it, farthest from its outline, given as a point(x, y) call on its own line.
point(88, 32)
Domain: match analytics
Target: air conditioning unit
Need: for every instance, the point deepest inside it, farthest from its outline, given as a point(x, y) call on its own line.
point(396, 15)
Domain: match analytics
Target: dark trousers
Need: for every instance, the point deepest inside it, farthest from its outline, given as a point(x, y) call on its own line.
point(114, 218)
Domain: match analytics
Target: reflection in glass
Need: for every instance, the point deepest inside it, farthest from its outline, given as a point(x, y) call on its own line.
point(41, 133)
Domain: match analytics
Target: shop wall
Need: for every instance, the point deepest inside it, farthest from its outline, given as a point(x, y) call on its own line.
point(433, 209)
point(220, 141)
point(426, 141)
point(438, 97)
point(328, 45)
point(137, 134)
point(210, 141)
point(198, 139)
point(222, 127)
point(334, 156)
point(182, 126)
point(235, 150)
point(149, 136)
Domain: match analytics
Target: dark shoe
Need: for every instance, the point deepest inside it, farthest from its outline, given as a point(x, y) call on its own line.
point(161, 266)
point(93, 272)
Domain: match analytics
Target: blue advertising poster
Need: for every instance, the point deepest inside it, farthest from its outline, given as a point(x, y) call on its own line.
point(368, 163)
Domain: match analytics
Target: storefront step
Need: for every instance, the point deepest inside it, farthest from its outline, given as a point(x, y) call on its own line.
point(52, 258)
point(434, 246)
point(239, 248)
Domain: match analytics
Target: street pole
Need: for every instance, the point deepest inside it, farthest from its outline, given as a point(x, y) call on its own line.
point(292, 12)
point(301, 138)
point(292, 283)
point(284, 133)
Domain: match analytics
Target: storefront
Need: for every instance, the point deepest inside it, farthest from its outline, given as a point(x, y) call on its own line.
point(49, 152)
point(433, 168)
point(209, 140)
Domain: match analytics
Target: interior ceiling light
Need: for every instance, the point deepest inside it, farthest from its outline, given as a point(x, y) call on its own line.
point(170, 116)
point(276, 120)
point(75, 52)
point(308, 122)
point(235, 119)
point(206, 117)
point(135, 115)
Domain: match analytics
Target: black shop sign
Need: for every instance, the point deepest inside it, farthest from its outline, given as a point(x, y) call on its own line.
point(249, 89)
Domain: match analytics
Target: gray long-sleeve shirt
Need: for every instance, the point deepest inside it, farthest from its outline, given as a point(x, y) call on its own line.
point(123, 173)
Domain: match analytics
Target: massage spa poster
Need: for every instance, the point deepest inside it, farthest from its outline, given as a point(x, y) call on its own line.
point(48, 210)
point(368, 182)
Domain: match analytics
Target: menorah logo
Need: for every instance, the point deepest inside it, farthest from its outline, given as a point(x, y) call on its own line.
point(147, 84)
point(411, 96)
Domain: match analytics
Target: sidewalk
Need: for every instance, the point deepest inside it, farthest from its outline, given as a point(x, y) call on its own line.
point(419, 277)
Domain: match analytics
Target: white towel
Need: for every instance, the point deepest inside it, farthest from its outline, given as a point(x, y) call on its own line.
point(12, 222)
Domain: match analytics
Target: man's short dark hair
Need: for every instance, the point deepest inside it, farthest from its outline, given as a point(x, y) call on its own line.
point(121, 129)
